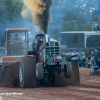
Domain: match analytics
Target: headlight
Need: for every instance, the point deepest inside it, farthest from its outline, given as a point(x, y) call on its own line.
point(51, 43)
point(47, 44)
point(56, 44)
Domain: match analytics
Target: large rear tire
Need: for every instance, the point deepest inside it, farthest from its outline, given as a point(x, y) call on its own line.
point(68, 70)
point(39, 71)
point(16, 71)
point(27, 72)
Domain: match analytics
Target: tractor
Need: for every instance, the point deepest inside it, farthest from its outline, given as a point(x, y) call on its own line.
point(42, 66)
point(14, 50)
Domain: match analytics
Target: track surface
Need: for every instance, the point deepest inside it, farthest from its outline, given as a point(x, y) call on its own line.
point(89, 89)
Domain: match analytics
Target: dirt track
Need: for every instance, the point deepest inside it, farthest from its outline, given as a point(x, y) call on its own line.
point(89, 89)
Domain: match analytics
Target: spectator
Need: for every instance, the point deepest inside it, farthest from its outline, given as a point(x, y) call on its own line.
point(90, 58)
point(91, 51)
point(73, 54)
point(95, 56)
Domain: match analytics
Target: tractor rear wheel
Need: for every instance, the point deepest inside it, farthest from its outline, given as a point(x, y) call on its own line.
point(27, 72)
point(68, 70)
point(39, 71)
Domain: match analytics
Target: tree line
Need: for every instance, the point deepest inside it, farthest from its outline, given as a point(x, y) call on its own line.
point(10, 17)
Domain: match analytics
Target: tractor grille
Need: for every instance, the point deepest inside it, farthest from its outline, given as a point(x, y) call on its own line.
point(52, 48)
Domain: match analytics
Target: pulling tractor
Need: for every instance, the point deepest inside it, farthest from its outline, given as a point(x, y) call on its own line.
point(42, 66)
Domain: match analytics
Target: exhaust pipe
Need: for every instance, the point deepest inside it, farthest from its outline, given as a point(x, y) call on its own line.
point(46, 37)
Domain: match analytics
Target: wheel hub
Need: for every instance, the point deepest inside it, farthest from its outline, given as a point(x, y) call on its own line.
point(36, 72)
point(20, 75)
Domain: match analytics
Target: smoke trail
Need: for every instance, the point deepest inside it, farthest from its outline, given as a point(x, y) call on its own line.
point(41, 12)
point(26, 13)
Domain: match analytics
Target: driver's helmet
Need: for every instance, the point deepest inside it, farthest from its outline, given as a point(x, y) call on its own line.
point(40, 39)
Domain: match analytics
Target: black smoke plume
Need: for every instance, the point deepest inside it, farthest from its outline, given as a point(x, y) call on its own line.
point(41, 12)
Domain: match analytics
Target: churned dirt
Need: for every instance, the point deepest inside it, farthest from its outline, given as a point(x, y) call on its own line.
point(89, 89)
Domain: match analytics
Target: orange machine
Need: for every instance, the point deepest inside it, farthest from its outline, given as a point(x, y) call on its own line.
point(16, 46)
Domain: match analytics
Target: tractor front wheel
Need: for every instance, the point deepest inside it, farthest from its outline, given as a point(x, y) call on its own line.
point(68, 70)
point(39, 71)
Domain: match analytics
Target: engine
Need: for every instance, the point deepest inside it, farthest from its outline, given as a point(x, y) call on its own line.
point(49, 53)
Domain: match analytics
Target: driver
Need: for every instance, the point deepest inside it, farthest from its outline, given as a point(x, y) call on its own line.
point(17, 45)
point(16, 38)
point(40, 39)
point(39, 42)
point(74, 53)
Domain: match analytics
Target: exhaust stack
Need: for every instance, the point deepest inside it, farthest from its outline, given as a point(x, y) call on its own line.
point(46, 37)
